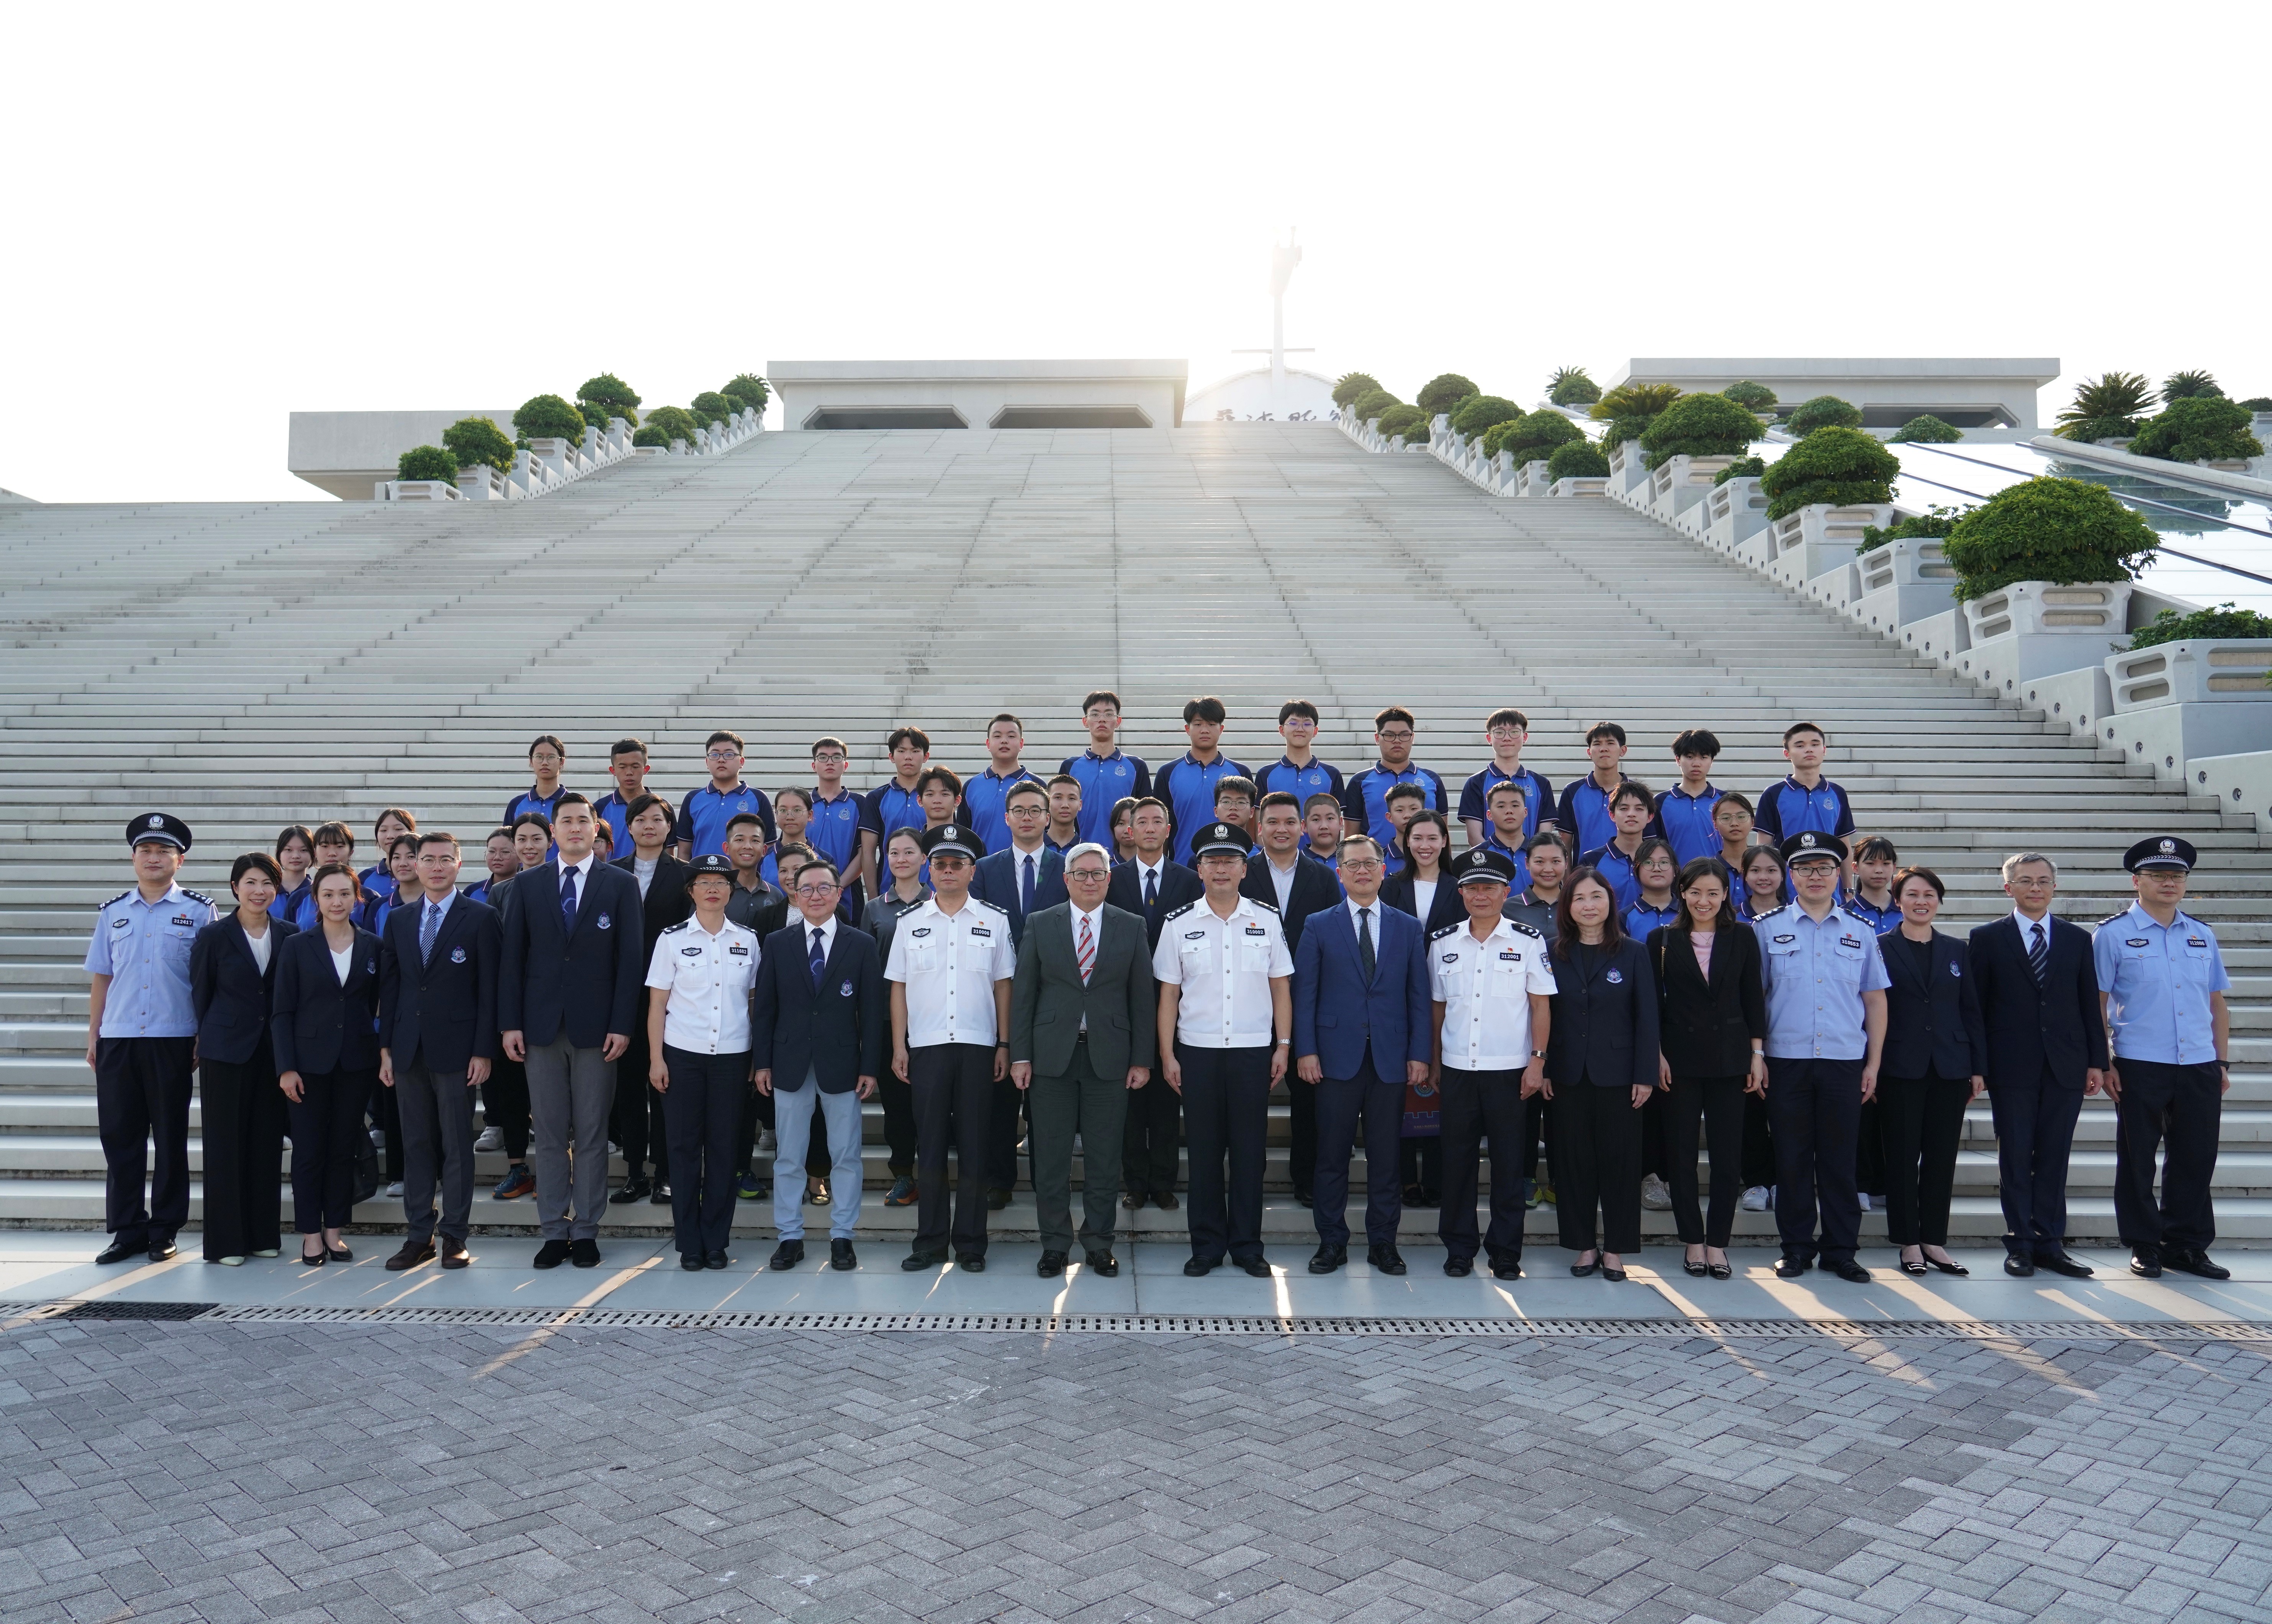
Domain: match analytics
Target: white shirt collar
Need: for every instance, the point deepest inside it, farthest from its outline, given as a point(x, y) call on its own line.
point(2028, 928)
point(582, 870)
point(1143, 868)
point(1374, 905)
point(827, 928)
point(1095, 916)
point(426, 901)
point(1283, 868)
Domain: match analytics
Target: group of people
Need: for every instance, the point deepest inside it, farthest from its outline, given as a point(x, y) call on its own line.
point(1132, 962)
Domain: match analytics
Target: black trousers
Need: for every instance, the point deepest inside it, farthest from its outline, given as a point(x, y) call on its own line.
point(954, 1090)
point(1712, 1108)
point(2035, 1131)
point(899, 1124)
point(386, 1116)
point(1226, 1114)
point(141, 1100)
point(1870, 1161)
point(1476, 1105)
point(505, 1105)
point(2177, 1110)
point(1537, 1139)
point(1002, 1135)
point(1598, 1139)
point(1148, 1149)
point(1301, 1151)
point(1420, 1164)
point(1655, 1151)
point(328, 1119)
point(1923, 1118)
point(636, 1120)
point(243, 1111)
point(1816, 1107)
point(1759, 1144)
point(437, 1109)
point(701, 1116)
point(1340, 1104)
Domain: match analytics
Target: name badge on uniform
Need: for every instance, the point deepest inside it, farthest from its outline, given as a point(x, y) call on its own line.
point(1509, 954)
point(1848, 941)
point(457, 956)
point(1616, 977)
point(980, 930)
point(1256, 930)
point(2195, 941)
point(184, 919)
point(845, 991)
point(737, 950)
point(690, 953)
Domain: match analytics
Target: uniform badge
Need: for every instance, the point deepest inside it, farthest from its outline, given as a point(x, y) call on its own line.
point(2136, 941)
point(2168, 848)
point(737, 950)
point(1781, 939)
point(121, 924)
point(923, 929)
point(457, 956)
point(1955, 969)
point(159, 822)
point(1256, 930)
point(690, 953)
point(1848, 941)
point(1510, 955)
point(845, 991)
point(2195, 941)
point(1451, 958)
point(1616, 977)
point(604, 921)
point(1194, 936)
point(184, 919)
point(1120, 770)
point(980, 930)
point(371, 969)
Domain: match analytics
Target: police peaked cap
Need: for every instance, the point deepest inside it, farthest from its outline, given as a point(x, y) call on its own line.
point(1814, 843)
point(952, 837)
point(171, 831)
point(1478, 867)
point(1221, 837)
point(2160, 851)
point(710, 862)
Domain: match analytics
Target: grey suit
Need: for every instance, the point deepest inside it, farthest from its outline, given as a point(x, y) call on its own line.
point(1080, 1078)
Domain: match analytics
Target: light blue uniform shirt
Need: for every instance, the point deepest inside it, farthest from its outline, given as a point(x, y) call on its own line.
point(144, 948)
point(2157, 979)
point(1816, 974)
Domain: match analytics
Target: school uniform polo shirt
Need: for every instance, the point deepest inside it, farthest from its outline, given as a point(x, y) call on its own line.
point(1105, 780)
point(1584, 811)
point(1790, 808)
point(834, 831)
point(1538, 798)
point(1187, 785)
point(1318, 778)
point(703, 815)
point(1365, 801)
point(886, 809)
point(1684, 822)
point(1617, 869)
point(982, 796)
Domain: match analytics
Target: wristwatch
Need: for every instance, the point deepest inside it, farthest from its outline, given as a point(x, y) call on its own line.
point(1538, 1054)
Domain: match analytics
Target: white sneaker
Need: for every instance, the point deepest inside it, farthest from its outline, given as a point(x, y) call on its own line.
point(491, 1139)
point(1755, 1199)
point(1865, 1201)
point(765, 1140)
point(395, 1189)
point(1654, 1195)
point(614, 1148)
point(377, 1140)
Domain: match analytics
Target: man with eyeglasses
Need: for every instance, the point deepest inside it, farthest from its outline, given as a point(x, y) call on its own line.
point(706, 816)
point(1105, 773)
point(1298, 886)
point(1151, 885)
point(1020, 880)
point(1365, 800)
point(834, 831)
point(1081, 1042)
point(1506, 731)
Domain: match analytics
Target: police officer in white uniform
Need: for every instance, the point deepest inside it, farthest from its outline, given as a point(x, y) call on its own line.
point(1492, 989)
point(698, 980)
point(1226, 1029)
point(950, 970)
point(141, 1039)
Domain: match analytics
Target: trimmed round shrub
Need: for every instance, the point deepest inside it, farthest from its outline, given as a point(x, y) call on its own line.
point(2191, 386)
point(1751, 396)
point(714, 404)
point(2193, 427)
point(649, 435)
point(477, 439)
point(1478, 413)
point(1623, 429)
point(749, 389)
point(2259, 403)
point(1843, 466)
point(1825, 411)
point(1699, 425)
point(2225, 620)
point(1924, 428)
point(1404, 420)
point(1534, 436)
point(1570, 386)
point(549, 416)
point(1581, 459)
point(672, 422)
point(608, 396)
point(1372, 404)
point(426, 462)
point(1742, 468)
point(1444, 392)
point(1351, 387)
point(2062, 530)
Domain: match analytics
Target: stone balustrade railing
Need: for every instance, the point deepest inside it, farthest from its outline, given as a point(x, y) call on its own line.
point(544, 465)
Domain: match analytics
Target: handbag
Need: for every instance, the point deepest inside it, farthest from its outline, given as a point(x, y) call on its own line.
point(366, 1169)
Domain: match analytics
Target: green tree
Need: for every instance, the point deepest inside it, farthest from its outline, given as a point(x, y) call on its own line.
point(1533, 438)
point(549, 416)
point(608, 396)
point(1924, 428)
point(713, 404)
point(1825, 411)
point(667, 423)
point(1633, 400)
point(1373, 403)
point(1699, 425)
point(2190, 386)
point(1579, 459)
point(751, 389)
point(426, 462)
point(2106, 408)
point(2062, 530)
point(1753, 397)
point(1843, 466)
point(1570, 386)
point(2199, 428)
point(1351, 387)
point(2223, 621)
point(1478, 412)
point(477, 439)
point(1409, 420)
point(1742, 468)
point(1444, 392)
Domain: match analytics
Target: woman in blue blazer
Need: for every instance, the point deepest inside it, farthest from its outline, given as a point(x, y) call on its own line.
point(1601, 1069)
point(232, 988)
point(326, 1039)
point(1936, 1054)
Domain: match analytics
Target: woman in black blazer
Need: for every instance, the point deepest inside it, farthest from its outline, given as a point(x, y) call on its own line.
point(1426, 840)
point(1935, 1053)
point(232, 987)
point(327, 1038)
point(1712, 1030)
point(1601, 1069)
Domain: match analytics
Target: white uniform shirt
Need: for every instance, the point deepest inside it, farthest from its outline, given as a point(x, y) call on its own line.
point(1224, 968)
point(709, 978)
point(1485, 989)
point(950, 963)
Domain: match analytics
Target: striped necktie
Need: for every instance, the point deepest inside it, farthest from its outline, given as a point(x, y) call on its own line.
point(2039, 955)
point(1084, 951)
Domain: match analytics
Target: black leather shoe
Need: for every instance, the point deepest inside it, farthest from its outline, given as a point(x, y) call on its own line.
point(1326, 1259)
point(413, 1253)
point(163, 1247)
point(2018, 1267)
point(1303, 1198)
point(2194, 1261)
point(2060, 1263)
point(1103, 1263)
point(788, 1254)
point(1506, 1270)
point(661, 1196)
point(1385, 1259)
point(971, 1262)
point(996, 1198)
point(691, 1261)
point(119, 1251)
point(1199, 1265)
point(454, 1254)
point(1459, 1268)
point(1851, 1272)
point(716, 1259)
point(552, 1255)
point(632, 1190)
point(840, 1255)
point(1165, 1200)
point(1581, 1270)
point(2146, 1262)
point(1051, 1266)
point(1790, 1267)
point(584, 1253)
point(1259, 1267)
point(915, 1260)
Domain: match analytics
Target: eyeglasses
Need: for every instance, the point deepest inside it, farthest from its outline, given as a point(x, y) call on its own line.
point(1401, 736)
point(1088, 873)
point(830, 759)
point(1358, 866)
point(722, 755)
point(818, 888)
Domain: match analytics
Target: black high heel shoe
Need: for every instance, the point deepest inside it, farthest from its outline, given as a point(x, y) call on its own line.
point(316, 1262)
point(1694, 1266)
point(1949, 1268)
point(1916, 1268)
point(1719, 1271)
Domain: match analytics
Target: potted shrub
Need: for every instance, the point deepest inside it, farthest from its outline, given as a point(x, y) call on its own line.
point(1833, 466)
point(1926, 430)
point(1351, 387)
point(1534, 436)
point(665, 425)
point(427, 463)
point(1479, 413)
point(1742, 468)
point(1574, 460)
point(1409, 420)
point(1443, 392)
point(2107, 408)
point(1751, 396)
point(1570, 386)
point(607, 396)
point(1373, 403)
point(472, 440)
point(710, 407)
point(1699, 425)
point(2047, 563)
point(2199, 429)
point(1823, 411)
point(750, 390)
point(548, 416)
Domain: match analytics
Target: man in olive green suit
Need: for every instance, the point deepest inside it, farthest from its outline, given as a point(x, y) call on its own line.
point(1081, 1034)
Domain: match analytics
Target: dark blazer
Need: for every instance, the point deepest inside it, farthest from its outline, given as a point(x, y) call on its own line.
point(586, 987)
point(1047, 999)
point(666, 904)
point(995, 879)
point(2030, 1027)
point(835, 1033)
point(1179, 885)
point(232, 995)
point(318, 1025)
point(1604, 1029)
point(1337, 1013)
point(1934, 1026)
point(440, 1013)
point(1397, 891)
point(1705, 1029)
point(1315, 886)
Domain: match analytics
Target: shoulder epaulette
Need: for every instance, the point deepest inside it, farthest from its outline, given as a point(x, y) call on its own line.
point(1784, 909)
point(198, 896)
point(994, 907)
point(1517, 924)
point(1180, 912)
point(1447, 930)
point(681, 926)
point(1267, 906)
point(2111, 917)
point(121, 897)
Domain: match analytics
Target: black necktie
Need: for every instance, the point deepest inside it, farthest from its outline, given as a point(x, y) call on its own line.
point(1364, 958)
point(820, 961)
point(1151, 890)
point(2039, 955)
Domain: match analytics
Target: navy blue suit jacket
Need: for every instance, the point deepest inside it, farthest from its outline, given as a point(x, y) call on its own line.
point(589, 986)
point(2030, 1030)
point(320, 1026)
point(1178, 886)
point(836, 1033)
point(1336, 1013)
point(439, 1011)
point(231, 994)
point(1315, 889)
point(995, 879)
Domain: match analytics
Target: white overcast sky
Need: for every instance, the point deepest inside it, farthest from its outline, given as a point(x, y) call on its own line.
point(215, 216)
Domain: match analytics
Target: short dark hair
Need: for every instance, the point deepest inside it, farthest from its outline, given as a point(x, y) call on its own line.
point(723, 735)
point(1696, 742)
point(1702, 868)
point(1311, 804)
point(1297, 708)
point(400, 842)
point(1124, 807)
point(1632, 789)
point(499, 833)
point(1875, 847)
point(1206, 707)
point(1056, 778)
point(1405, 792)
point(1566, 924)
point(1650, 847)
point(739, 818)
point(1142, 801)
point(438, 837)
point(818, 861)
point(291, 832)
point(333, 834)
point(1393, 713)
point(573, 797)
point(537, 818)
point(1548, 837)
point(252, 860)
point(937, 773)
point(1233, 784)
point(643, 806)
point(1918, 871)
point(552, 739)
point(1735, 797)
point(1798, 727)
point(829, 741)
point(1001, 716)
point(905, 734)
point(1101, 696)
point(1513, 787)
point(1282, 797)
point(1505, 714)
point(798, 790)
point(1605, 729)
point(402, 815)
point(627, 747)
point(1026, 786)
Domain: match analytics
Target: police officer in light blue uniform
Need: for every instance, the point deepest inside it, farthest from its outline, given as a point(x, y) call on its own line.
point(2162, 982)
point(141, 1039)
point(1826, 993)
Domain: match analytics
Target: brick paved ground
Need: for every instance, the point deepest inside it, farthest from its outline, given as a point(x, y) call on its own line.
point(184, 1471)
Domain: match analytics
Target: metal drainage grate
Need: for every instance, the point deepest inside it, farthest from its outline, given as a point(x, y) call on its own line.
point(109, 1308)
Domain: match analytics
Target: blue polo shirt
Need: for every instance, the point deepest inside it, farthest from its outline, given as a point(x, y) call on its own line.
point(286, 905)
point(1584, 811)
point(1521, 865)
point(1790, 808)
point(885, 809)
point(612, 810)
point(1684, 822)
point(1105, 780)
point(529, 801)
point(1617, 869)
point(834, 831)
point(703, 815)
point(1880, 919)
point(1300, 783)
point(1640, 918)
point(1363, 801)
point(375, 881)
point(1537, 793)
point(982, 795)
point(1188, 787)
point(2157, 979)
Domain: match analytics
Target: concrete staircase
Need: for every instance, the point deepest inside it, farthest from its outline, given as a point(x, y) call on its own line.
point(249, 665)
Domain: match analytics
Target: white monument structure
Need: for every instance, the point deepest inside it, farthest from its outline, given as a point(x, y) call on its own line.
point(1990, 398)
point(979, 394)
point(1275, 395)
